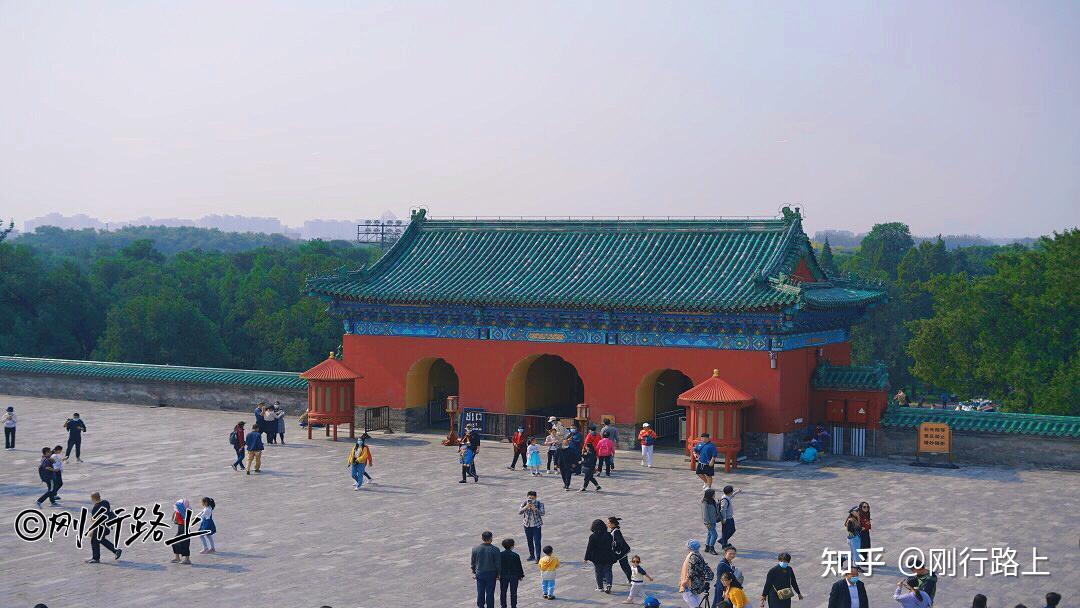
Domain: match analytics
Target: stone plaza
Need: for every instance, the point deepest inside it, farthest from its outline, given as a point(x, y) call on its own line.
point(298, 535)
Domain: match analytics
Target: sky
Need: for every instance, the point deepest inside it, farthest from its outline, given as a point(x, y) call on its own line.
point(955, 117)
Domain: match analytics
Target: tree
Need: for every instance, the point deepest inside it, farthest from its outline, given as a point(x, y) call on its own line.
point(1012, 335)
point(883, 247)
point(161, 328)
point(826, 259)
point(6, 231)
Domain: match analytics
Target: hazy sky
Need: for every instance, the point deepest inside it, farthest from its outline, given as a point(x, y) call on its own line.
point(952, 116)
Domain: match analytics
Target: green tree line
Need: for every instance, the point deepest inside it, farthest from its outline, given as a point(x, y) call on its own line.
point(242, 307)
point(985, 321)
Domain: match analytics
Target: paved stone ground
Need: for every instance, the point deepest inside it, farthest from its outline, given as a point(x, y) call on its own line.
point(299, 536)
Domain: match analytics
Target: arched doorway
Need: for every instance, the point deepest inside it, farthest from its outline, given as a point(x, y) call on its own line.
point(427, 384)
point(657, 401)
point(546, 385)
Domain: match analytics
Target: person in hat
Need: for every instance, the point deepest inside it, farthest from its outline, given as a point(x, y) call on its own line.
point(553, 442)
point(695, 575)
point(554, 423)
point(647, 439)
point(9, 428)
point(520, 447)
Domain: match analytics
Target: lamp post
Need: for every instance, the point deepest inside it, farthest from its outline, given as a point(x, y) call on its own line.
point(452, 410)
point(582, 416)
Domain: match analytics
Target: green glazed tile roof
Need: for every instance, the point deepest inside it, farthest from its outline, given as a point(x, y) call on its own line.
point(160, 373)
point(850, 377)
point(644, 265)
point(986, 422)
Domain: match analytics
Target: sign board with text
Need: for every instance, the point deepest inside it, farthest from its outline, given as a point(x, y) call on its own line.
point(473, 416)
point(934, 438)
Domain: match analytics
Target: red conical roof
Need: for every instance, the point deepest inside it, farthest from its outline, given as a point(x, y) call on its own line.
point(714, 390)
point(331, 369)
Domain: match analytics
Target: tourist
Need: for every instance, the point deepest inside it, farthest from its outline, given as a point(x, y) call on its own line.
point(254, 445)
point(485, 562)
point(694, 576)
point(467, 456)
point(568, 459)
point(206, 522)
point(555, 425)
point(780, 584)
point(637, 580)
point(588, 468)
point(58, 470)
point(237, 438)
point(727, 516)
point(364, 438)
point(927, 580)
point(610, 431)
point(710, 515)
point(599, 551)
point(359, 459)
point(260, 419)
point(576, 445)
point(553, 442)
point(1053, 599)
point(474, 443)
point(605, 451)
point(901, 398)
point(907, 594)
point(864, 522)
point(519, 443)
point(99, 535)
point(75, 428)
point(510, 573)
point(733, 592)
point(706, 457)
point(810, 453)
point(532, 458)
point(548, 565)
point(592, 437)
point(848, 592)
point(181, 549)
point(269, 424)
point(647, 438)
point(620, 546)
point(854, 530)
point(47, 475)
point(279, 416)
point(979, 601)
point(9, 420)
point(726, 566)
point(532, 519)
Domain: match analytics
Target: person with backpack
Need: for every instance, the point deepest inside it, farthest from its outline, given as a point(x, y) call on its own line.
point(726, 566)
point(705, 455)
point(695, 576)
point(610, 431)
point(359, 459)
point(588, 468)
point(727, 516)
point(75, 428)
point(47, 475)
point(780, 584)
point(99, 536)
point(620, 546)
point(236, 440)
point(605, 451)
point(647, 439)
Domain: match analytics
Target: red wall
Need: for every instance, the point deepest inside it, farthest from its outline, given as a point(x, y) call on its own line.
point(611, 374)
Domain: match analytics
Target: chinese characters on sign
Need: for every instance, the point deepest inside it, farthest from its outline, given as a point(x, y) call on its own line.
point(952, 562)
point(142, 524)
point(935, 438)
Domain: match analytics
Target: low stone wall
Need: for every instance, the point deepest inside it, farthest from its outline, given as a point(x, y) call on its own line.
point(175, 394)
point(991, 448)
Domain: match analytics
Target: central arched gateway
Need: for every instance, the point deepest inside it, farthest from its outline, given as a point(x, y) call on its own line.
point(430, 380)
point(545, 385)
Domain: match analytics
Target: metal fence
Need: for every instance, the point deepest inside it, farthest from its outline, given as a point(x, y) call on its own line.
point(503, 426)
point(666, 425)
point(437, 416)
point(377, 418)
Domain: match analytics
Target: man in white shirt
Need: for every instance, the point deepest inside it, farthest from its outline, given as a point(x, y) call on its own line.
point(58, 468)
point(849, 592)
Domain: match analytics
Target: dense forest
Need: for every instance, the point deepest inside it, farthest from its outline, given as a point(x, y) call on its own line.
point(975, 321)
point(216, 299)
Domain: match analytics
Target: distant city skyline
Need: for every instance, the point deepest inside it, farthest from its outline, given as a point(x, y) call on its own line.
point(958, 117)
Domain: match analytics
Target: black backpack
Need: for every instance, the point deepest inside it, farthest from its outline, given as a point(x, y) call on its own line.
point(232, 438)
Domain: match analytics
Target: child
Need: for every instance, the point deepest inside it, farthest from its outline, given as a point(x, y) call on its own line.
point(467, 456)
point(637, 576)
point(548, 564)
point(533, 458)
point(206, 522)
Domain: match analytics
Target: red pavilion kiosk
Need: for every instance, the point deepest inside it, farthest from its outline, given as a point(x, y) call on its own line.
point(330, 395)
point(715, 407)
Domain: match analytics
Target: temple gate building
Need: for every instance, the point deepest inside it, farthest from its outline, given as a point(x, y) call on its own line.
point(534, 317)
